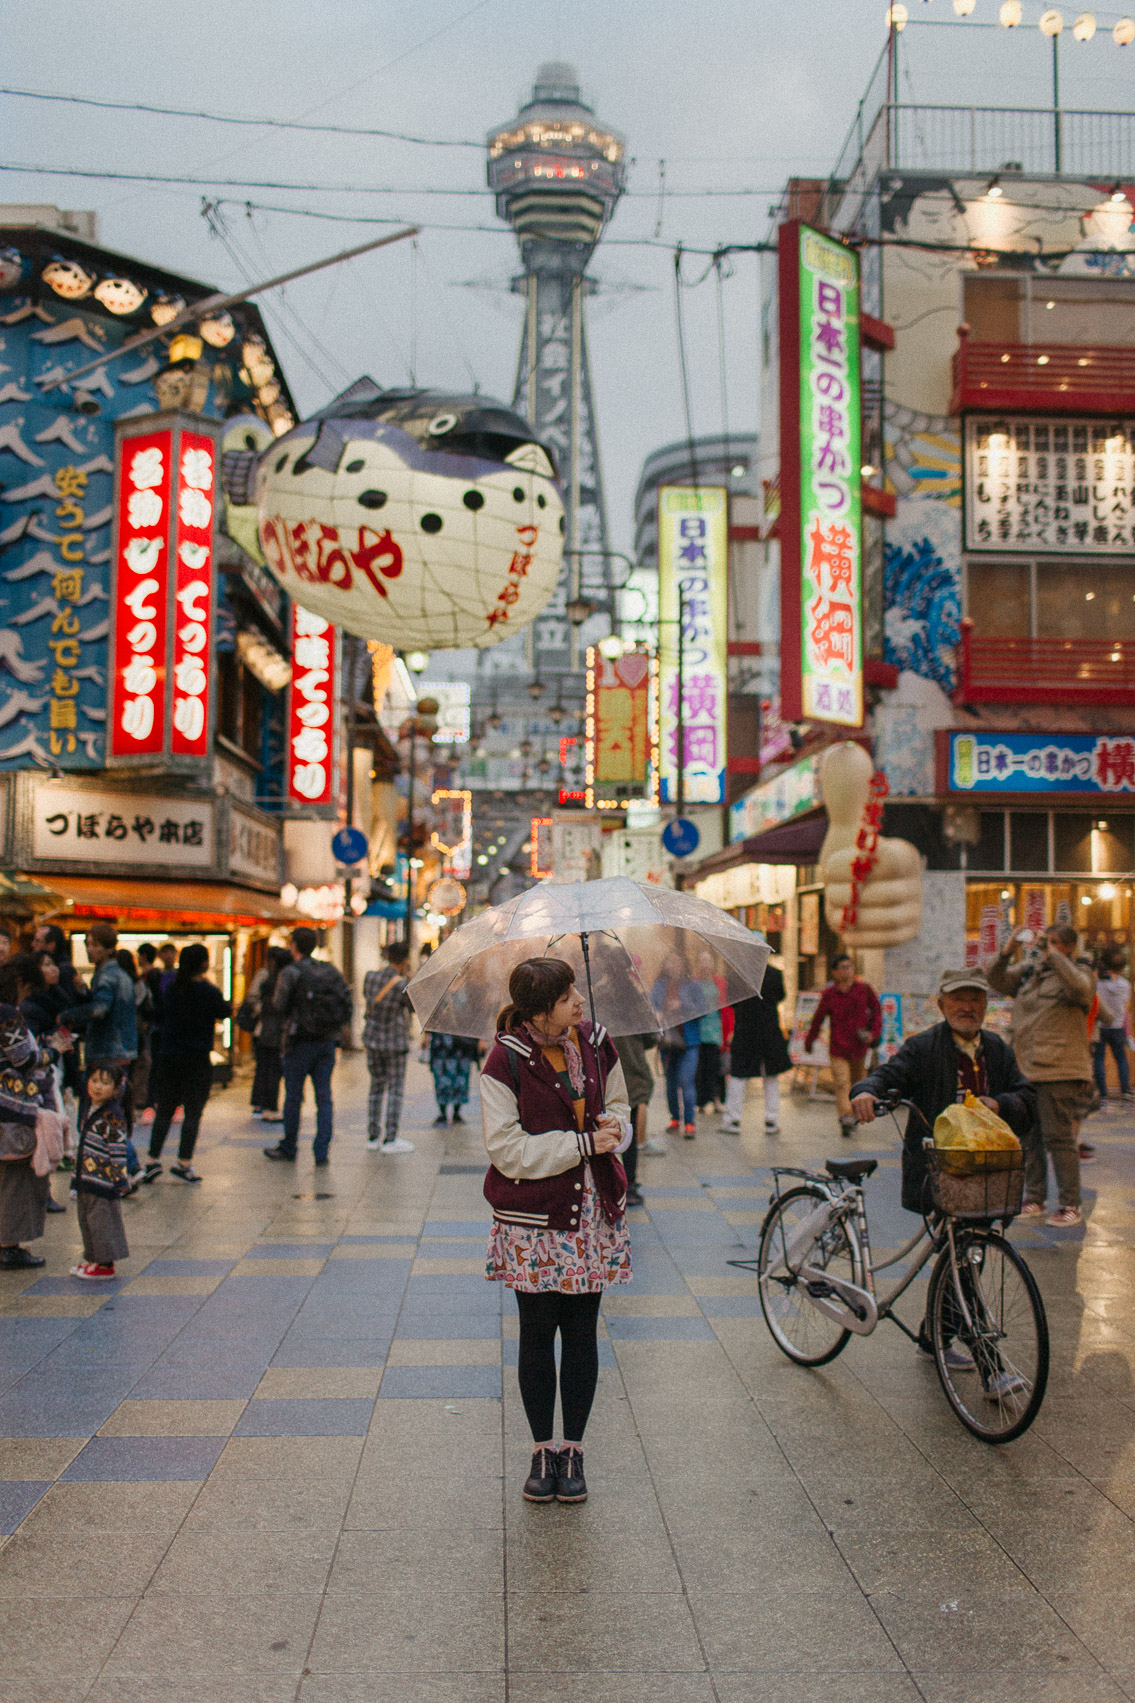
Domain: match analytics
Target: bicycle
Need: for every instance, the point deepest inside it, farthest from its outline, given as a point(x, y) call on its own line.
point(987, 1325)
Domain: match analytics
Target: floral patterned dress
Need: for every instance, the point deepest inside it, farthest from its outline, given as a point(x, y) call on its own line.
point(570, 1262)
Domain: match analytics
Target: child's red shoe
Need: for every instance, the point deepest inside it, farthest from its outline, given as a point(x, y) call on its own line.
point(92, 1273)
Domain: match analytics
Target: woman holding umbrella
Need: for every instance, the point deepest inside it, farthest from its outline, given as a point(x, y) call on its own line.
point(555, 1113)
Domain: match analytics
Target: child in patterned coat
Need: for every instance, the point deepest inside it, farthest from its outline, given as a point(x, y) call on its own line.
point(100, 1175)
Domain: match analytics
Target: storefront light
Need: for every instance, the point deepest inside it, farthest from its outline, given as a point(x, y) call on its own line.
point(963, 8)
point(1051, 22)
point(1107, 890)
point(1085, 27)
point(1124, 32)
point(1010, 14)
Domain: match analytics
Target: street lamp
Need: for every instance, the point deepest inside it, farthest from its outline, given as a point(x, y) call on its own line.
point(579, 609)
point(536, 689)
point(422, 721)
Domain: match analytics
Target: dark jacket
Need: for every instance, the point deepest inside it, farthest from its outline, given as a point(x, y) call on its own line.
point(193, 1008)
point(757, 1036)
point(109, 1018)
point(925, 1071)
point(542, 1107)
point(100, 1167)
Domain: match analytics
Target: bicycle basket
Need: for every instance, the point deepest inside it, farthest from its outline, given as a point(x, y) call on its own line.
point(978, 1191)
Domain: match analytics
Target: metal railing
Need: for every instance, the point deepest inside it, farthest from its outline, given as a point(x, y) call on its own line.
point(1044, 671)
point(981, 141)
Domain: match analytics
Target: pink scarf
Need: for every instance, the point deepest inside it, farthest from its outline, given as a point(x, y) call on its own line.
point(572, 1057)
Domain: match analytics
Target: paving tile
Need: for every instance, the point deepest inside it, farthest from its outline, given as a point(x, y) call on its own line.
point(254, 1635)
point(659, 1330)
point(226, 1503)
point(449, 1382)
point(431, 1631)
point(225, 1382)
point(17, 1499)
point(1080, 1685)
point(56, 1638)
point(189, 1268)
point(140, 1458)
point(332, 1459)
point(812, 1686)
point(403, 1688)
point(779, 1627)
point(342, 1351)
point(36, 1457)
point(435, 1326)
point(466, 1559)
point(440, 1351)
point(91, 1505)
point(168, 1418)
point(979, 1632)
point(286, 1382)
point(648, 1632)
point(314, 1417)
point(289, 1251)
point(78, 1563)
point(215, 1561)
point(214, 1685)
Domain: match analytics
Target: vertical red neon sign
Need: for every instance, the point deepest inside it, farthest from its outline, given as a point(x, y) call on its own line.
point(141, 595)
point(193, 595)
point(312, 705)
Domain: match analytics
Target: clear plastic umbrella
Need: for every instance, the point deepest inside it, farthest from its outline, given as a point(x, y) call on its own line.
point(616, 935)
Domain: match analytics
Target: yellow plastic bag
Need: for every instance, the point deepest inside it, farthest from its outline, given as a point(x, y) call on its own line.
point(969, 1137)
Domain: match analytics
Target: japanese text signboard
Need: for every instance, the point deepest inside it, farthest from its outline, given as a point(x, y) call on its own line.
point(162, 596)
point(1063, 485)
point(312, 714)
point(122, 830)
point(693, 550)
point(1040, 762)
point(621, 760)
point(821, 651)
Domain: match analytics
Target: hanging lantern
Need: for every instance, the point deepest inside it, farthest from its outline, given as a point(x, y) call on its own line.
point(164, 308)
point(964, 7)
point(1124, 32)
point(11, 267)
point(218, 330)
point(1051, 22)
point(68, 279)
point(1085, 27)
point(427, 520)
point(897, 17)
point(1010, 14)
point(119, 295)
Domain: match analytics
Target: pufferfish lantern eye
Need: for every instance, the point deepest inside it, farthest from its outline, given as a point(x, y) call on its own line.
point(474, 500)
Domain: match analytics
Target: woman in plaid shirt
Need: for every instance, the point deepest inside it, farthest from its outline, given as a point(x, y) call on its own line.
point(386, 1037)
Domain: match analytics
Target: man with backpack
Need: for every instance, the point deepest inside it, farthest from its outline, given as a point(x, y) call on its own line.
point(386, 1037)
point(315, 1004)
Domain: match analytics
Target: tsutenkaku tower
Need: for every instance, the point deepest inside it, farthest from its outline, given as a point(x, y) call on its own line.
point(557, 175)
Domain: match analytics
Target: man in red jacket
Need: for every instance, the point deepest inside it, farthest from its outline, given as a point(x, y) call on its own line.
point(855, 1022)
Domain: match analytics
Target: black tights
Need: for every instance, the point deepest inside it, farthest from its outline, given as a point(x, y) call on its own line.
point(576, 1318)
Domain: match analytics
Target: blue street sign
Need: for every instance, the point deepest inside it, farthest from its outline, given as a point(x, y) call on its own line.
point(349, 845)
point(680, 837)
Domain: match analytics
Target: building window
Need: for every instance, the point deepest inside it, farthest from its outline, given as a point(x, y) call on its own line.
point(1086, 599)
point(1056, 842)
point(1026, 309)
point(1028, 841)
point(989, 852)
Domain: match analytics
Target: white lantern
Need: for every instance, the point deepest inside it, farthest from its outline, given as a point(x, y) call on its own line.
point(119, 295)
point(1010, 14)
point(964, 7)
point(1051, 22)
point(1124, 32)
point(897, 17)
point(426, 520)
point(68, 279)
point(1085, 27)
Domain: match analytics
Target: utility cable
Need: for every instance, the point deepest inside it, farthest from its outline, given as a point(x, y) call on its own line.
point(682, 362)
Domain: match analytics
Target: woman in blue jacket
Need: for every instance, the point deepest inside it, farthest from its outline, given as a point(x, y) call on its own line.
point(674, 997)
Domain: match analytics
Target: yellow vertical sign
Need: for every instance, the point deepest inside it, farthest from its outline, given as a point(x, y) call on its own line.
point(693, 561)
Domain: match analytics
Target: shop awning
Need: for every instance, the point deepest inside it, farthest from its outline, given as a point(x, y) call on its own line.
point(170, 905)
point(797, 842)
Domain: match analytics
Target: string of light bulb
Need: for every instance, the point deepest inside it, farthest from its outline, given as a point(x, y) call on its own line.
point(1051, 22)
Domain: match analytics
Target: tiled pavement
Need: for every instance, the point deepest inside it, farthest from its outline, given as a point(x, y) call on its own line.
point(280, 1462)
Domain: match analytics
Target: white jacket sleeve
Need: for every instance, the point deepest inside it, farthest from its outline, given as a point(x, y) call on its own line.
point(512, 1150)
point(618, 1103)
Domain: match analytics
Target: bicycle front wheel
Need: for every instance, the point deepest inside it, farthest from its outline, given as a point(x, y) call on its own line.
point(990, 1310)
point(805, 1334)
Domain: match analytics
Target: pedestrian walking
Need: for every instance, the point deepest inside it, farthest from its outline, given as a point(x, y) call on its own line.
point(450, 1059)
point(937, 1068)
point(639, 1079)
point(855, 1022)
point(267, 1034)
point(184, 1073)
point(674, 996)
point(758, 1048)
point(555, 1114)
point(386, 1037)
point(1113, 990)
point(108, 1020)
point(144, 1017)
point(1052, 995)
point(28, 1150)
point(315, 1004)
point(100, 1175)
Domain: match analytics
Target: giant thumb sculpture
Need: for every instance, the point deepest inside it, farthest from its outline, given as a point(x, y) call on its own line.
point(872, 885)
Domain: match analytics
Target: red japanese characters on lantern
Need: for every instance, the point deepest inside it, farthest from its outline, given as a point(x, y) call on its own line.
point(193, 595)
point(311, 711)
point(141, 595)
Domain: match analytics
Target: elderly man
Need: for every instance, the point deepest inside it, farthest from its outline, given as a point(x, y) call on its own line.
point(934, 1070)
point(1052, 996)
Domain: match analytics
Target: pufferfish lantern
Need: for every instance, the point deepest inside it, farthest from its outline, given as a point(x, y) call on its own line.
point(427, 520)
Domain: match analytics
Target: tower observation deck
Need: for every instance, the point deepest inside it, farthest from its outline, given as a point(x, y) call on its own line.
point(557, 175)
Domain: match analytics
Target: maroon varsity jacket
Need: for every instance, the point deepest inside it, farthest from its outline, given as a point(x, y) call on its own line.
point(553, 1203)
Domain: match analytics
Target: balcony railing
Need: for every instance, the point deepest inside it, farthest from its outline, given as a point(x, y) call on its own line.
point(1044, 671)
point(1056, 378)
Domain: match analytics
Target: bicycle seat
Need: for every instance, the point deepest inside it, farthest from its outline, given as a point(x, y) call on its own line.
point(854, 1170)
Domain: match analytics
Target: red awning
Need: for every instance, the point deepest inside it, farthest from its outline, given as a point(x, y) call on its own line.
point(796, 842)
point(200, 905)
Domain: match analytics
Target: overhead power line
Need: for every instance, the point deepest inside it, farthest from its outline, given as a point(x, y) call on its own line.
point(249, 123)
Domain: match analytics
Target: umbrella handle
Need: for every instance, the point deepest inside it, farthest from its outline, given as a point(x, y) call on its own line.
point(587, 968)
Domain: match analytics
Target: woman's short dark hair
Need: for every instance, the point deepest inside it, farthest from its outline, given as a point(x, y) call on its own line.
point(534, 987)
point(21, 967)
point(107, 1067)
point(124, 958)
point(192, 960)
point(57, 943)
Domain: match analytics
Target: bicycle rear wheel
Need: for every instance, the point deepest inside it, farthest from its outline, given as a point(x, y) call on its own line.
point(998, 1318)
point(798, 1328)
